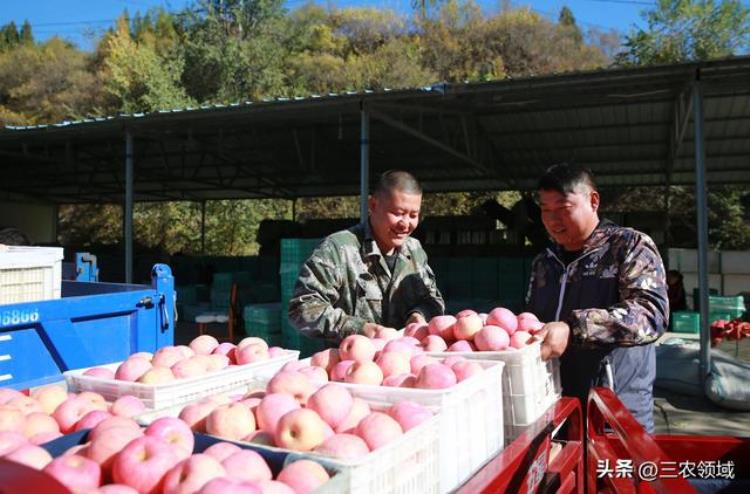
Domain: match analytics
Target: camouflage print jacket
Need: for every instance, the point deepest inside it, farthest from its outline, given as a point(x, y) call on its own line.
point(613, 294)
point(346, 283)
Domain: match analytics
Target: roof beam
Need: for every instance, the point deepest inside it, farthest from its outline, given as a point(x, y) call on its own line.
point(429, 140)
point(683, 107)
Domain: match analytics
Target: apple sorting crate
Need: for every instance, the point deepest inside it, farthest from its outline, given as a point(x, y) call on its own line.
point(529, 385)
point(276, 459)
point(404, 466)
point(158, 396)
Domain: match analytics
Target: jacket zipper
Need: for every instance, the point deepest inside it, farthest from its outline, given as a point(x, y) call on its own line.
point(564, 279)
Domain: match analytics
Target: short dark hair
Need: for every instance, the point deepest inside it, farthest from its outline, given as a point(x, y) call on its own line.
point(565, 178)
point(397, 180)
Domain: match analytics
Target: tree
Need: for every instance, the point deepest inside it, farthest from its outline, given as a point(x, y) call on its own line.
point(9, 36)
point(137, 77)
point(685, 30)
point(567, 21)
point(26, 37)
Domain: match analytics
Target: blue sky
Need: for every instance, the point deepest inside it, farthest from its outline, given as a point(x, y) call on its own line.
point(78, 20)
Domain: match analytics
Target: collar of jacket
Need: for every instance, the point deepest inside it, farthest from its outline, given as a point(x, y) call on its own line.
point(370, 247)
point(596, 240)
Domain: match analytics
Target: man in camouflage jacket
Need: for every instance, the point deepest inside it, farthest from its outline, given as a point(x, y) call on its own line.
point(370, 276)
point(606, 291)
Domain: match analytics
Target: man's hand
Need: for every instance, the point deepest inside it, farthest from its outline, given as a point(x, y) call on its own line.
point(372, 330)
point(554, 337)
point(416, 317)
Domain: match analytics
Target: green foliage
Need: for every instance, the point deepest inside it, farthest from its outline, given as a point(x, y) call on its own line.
point(685, 30)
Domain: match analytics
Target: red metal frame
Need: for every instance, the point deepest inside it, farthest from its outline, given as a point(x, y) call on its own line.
point(523, 465)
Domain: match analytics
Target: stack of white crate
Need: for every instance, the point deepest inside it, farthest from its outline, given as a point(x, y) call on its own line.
point(30, 274)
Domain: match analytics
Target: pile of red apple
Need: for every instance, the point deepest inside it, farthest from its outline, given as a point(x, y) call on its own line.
point(398, 362)
point(469, 331)
point(122, 458)
point(295, 413)
point(202, 356)
point(51, 411)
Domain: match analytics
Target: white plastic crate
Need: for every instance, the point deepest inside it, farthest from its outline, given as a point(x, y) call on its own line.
point(471, 419)
point(30, 274)
point(407, 465)
point(158, 396)
point(530, 385)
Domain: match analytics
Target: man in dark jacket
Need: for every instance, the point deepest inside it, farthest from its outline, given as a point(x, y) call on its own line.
point(602, 289)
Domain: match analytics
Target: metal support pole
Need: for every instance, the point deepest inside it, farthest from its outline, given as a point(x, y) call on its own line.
point(128, 212)
point(702, 205)
point(203, 227)
point(364, 163)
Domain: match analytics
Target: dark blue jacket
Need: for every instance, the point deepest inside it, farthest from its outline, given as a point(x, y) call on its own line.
point(614, 297)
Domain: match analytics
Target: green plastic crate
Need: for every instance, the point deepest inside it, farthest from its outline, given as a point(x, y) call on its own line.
point(734, 306)
point(686, 322)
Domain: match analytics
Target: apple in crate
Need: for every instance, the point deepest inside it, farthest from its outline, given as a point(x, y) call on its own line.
point(345, 446)
point(195, 414)
point(113, 422)
point(341, 369)
point(366, 372)
point(50, 397)
point(127, 406)
point(217, 362)
point(190, 367)
point(221, 450)
point(492, 339)
point(26, 405)
point(360, 409)
point(303, 476)
point(418, 361)
point(292, 383)
point(186, 351)
point(157, 375)
point(271, 408)
point(247, 465)
point(204, 344)
point(75, 472)
point(467, 325)
point(116, 489)
point(326, 359)
point(301, 430)
point(453, 359)
point(378, 429)
point(504, 318)
point(416, 330)
point(434, 343)
point(401, 346)
point(7, 394)
point(316, 375)
point(252, 340)
point(68, 413)
point(191, 474)
point(10, 440)
point(357, 347)
point(460, 346)
point(174, 432)
point(520, 339)
point(394, 363)
point(30, 455)
point(143, 463)
point(400, 381)
point(409, 414)
point(436, 376)
point(276, 351)
point(108, 443)
point(250, 353)
point(332, 402)
point(228, 485)
point(41, 423)
point(100, 373)
point(132, 369)
point(167, 356)
point(91, 420)
point(464, 370)
point(442, 326)
point(233, 421)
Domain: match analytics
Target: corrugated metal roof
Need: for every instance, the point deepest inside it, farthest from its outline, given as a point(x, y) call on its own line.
point(486, 136)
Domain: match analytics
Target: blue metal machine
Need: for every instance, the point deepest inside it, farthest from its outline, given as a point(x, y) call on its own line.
point(92, 324)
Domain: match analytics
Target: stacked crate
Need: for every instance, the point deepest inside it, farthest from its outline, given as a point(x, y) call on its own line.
point(294, 252)
point(264, 321)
